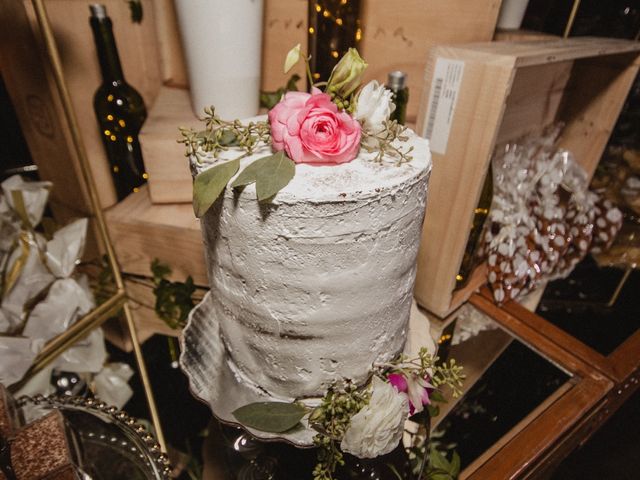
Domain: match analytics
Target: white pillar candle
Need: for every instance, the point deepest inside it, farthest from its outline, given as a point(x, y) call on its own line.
point(512, 13)
point(222, 45)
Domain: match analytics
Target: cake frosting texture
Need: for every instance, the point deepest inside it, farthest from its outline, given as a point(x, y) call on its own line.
point(316, 285)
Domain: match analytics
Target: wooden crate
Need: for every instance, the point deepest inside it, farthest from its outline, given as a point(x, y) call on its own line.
point(398, 37)
point(508, 89)
point(26, 71)
point(142, 232)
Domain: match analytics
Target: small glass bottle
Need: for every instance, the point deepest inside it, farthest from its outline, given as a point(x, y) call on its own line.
point(119, 109)
point(397, 83)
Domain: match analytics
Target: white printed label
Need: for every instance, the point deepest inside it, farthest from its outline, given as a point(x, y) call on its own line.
point(447, 78)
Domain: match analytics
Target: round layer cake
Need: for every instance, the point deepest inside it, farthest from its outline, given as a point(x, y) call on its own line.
point(316, 285)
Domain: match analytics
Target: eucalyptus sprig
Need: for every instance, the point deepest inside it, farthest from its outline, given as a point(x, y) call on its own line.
point(219, 135)
point(386, 143)
point(332, 419)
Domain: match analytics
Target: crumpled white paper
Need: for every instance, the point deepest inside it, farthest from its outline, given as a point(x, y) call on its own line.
point(110, 385)
point(66, 302)
point(17, 354)
point(87, 355)
point(44, 298)
point(65, 248)
point(33, 279)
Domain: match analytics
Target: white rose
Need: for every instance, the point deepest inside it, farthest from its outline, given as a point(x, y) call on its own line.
point(373, 107)
point(377, 428)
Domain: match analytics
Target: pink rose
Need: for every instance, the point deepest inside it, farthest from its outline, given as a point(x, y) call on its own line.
point(310, 129)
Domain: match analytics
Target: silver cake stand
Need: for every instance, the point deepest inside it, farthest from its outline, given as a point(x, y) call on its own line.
point(205, 361)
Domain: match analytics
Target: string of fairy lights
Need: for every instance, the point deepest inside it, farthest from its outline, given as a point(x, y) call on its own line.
point(337, 23)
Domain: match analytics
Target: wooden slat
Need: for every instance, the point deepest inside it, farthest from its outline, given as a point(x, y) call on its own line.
point(399, 37)
point(455, 186)
point(591, 105)
point(174, 71)
point(534, 99)
point(625, 360)
point(169, 177)
point(142, 232)
point(535, 52)
point(285, 25)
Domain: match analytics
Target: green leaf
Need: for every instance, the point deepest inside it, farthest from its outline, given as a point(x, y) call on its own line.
point(439, 461)
point(291, 83)
point(274, 417)
point(228, 139)
point(269, 100)
point(159, 270)
point(455, 465)
point(270, 174)
point(209, 184)
point(433, 411)
point(436, 396)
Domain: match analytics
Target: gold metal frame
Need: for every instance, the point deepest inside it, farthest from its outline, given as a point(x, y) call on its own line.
point(119, 300)
point(572, 19)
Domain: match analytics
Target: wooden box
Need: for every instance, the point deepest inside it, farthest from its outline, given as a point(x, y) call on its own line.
point(398, 36)
point(498, 92)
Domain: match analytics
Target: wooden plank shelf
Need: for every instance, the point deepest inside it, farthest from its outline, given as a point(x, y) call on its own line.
point(142, 232)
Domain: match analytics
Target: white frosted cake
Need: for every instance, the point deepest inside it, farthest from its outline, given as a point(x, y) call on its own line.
point(316, 285)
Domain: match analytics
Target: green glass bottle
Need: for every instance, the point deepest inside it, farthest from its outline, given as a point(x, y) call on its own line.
point(480, 214)
point(397, 83)
point(119, 108)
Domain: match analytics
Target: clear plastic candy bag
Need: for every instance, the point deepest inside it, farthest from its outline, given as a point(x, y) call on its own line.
point(543, 220)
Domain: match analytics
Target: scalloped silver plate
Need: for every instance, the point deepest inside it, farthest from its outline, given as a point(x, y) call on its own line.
point(204, 360)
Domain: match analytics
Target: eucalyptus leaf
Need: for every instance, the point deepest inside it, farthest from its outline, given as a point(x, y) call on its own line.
point(228, 138)
point(439, 461)
point(269, 100)
point(270, 174)
point(455, 465)
point(433, 411)
point(436, 396)
point(273, 417)
point(291, 83)
point(209, 184)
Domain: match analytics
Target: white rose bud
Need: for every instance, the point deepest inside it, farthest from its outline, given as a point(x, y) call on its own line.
point(377, 428)
point(374, 107)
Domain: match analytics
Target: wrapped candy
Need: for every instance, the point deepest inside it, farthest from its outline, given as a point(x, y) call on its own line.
point(543, 220)
point(40, 296)
point(111, 385)
point(606, 226)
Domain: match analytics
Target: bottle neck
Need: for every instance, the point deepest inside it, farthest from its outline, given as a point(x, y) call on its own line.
point(107, 51)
